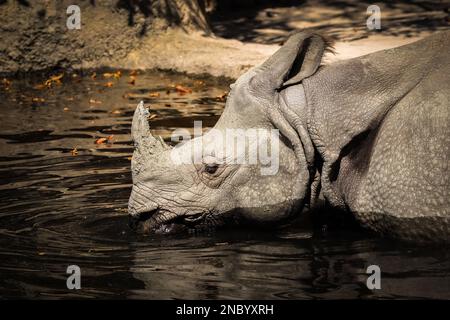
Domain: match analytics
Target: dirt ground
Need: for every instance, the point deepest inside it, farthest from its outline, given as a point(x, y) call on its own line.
point(344, 21)
point(35, 39)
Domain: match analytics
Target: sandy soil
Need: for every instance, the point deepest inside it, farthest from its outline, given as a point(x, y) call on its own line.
point(35, 39)
point(402, 22)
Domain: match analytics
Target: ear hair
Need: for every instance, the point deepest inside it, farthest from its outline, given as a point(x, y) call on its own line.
point(308, 59)
point(297, 59)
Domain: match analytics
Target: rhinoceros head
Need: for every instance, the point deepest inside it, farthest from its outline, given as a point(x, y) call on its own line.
point(253, 166)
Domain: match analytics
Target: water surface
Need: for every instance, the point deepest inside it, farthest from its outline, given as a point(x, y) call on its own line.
point(63, 199)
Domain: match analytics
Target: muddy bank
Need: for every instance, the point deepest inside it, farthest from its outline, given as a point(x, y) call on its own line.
point(35, 37)
point(173, 35)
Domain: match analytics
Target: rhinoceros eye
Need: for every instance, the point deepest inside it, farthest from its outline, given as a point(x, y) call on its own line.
point(211, 168)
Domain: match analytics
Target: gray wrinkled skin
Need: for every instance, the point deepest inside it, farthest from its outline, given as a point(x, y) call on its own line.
point(370, 134)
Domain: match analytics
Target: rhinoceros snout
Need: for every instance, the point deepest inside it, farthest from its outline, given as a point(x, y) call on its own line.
point(138, 218)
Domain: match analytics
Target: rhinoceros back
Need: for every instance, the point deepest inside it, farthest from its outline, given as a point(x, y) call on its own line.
point(382, 122)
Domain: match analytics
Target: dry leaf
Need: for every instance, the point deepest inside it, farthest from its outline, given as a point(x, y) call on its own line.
point(101, 140)
point(6, 82)
point(116, 112)
point(108, 84)
point(66, 109)
point(182, 90)
point(115, 75)
point(74, 152)
point(222, 97)
point(152, 116)
point(57, 77)
point(133, 95)
point(40, 86)
point(93, 101)
point(53, 80)
point(104, 140)
point(153, 94)
point(132, 80)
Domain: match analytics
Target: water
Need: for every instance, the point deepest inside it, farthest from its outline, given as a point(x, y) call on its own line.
point(63, 200)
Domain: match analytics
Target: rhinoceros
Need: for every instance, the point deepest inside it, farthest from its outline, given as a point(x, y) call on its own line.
point(370, 135)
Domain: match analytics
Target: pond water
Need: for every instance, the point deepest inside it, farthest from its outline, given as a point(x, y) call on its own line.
point(64, 193)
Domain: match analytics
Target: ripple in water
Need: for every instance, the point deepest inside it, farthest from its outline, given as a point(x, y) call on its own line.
point(63, 201)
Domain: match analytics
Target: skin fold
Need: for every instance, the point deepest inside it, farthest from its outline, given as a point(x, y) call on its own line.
point(370, 134)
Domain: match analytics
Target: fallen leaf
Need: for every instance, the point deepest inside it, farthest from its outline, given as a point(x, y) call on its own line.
point(93, 101)
point(182, 90)
point(117, 74)
point(152, 116)
point(153, 94)
point(53, 80)
point(223, 96)
point(57, 77)
point(132, 80)
point(129, 158)
point(74, 152)
point(116, 112)
point(101, 140)
point(135, 95)
point(66, 109)
point(108, 84)
point(6, 82)
point(39, 86)
point(105, 140)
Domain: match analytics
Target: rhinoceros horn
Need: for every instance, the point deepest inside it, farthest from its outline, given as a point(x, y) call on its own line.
point(144, 142)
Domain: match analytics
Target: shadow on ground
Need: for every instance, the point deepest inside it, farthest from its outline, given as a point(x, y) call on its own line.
point(343, 20)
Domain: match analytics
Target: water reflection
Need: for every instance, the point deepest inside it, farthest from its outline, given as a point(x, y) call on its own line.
point(63, 201)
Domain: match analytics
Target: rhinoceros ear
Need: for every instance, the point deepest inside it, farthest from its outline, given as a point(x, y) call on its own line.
point(296, 60)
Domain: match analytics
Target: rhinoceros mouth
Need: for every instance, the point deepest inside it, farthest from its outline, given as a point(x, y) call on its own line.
point(195, 218)
point(159, 221)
